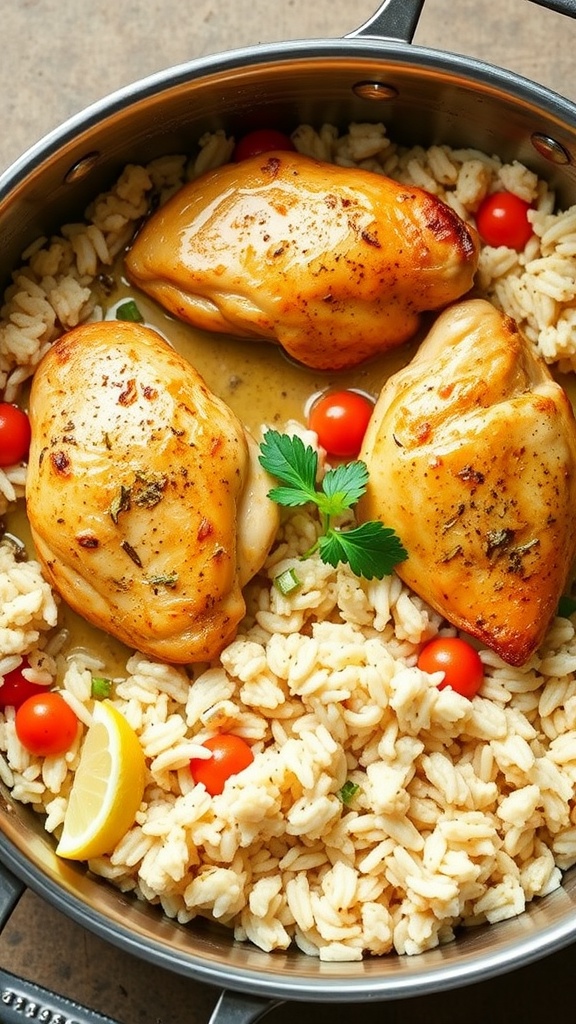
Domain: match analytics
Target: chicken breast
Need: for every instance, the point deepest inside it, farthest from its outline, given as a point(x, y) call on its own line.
point(472, 459)
point(146, 500)
point(334, 263)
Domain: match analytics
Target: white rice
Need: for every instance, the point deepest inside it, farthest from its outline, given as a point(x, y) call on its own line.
point(464, 810)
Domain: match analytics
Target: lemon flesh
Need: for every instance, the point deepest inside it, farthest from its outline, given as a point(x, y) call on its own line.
point(107, 789)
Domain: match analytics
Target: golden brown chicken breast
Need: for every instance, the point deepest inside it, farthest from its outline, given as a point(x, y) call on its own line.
point(334, 263)
point(145, 496)
point(472, 458)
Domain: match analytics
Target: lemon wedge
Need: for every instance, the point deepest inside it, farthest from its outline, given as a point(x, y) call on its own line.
point(107, 789)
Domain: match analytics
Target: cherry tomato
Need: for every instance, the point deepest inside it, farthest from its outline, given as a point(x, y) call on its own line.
point(263, 140)
point(230, 755)
point(46, 724)
point(14, 434)
point(340, 419)
point(458, 660)
point(16, 688)
point(502, 220)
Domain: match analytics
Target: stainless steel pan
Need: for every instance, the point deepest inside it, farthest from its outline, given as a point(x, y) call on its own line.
point(423, 95)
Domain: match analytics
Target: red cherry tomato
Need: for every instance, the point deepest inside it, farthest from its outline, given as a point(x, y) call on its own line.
point(340, 419)
point(16, 688)
point(458, 660)
point(14, 434)
point(502, 220)
point(263, 140)
point(230, 755)
point(46, 724)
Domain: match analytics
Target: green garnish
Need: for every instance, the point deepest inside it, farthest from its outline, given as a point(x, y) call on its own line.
point(348, 792)
point(371, 549)
point(129, 311)
point(101, 687)
point(168, 579)
point(121, 503)
point(287, 582)
point(148, 489)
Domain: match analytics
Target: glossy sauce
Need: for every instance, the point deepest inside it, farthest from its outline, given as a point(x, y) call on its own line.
point(260, 383)
point(255, 378)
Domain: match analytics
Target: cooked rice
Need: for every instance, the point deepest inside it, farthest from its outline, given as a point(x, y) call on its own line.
point(464, 810)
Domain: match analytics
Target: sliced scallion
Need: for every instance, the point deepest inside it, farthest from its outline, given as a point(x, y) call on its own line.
point(287, 582)
point(348, 791)
point(101, 687)
point(129, 311)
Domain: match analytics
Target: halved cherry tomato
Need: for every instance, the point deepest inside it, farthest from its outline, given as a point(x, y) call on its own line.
point(502, 220)
point(230, 755)
point(340, 419)
point(14, 434)
point(458, 660)
point(16, 688)
point(262, 140)
point(46, 725)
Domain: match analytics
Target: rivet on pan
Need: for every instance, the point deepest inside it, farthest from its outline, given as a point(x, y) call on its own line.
point(375, 91)
point(550, 149)
point(82, 167)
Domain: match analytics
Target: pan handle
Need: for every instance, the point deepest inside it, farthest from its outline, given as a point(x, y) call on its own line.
point(397, 19)
point(239, 1008)
point(11, 889)
point(567, 7)
point(394, 19)
point(22, 1000)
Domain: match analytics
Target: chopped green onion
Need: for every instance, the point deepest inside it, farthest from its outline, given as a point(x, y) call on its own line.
point(348, 792)
point(129, 311)
point(101, 687)
point(287, 582)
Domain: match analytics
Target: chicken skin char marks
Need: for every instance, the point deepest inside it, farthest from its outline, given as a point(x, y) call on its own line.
point(146, 500)
point(471, 453)
point(336, 264)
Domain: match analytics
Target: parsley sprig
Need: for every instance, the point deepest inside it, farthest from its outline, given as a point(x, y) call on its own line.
point(371, 549)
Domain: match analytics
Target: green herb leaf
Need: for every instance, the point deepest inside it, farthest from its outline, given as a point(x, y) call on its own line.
point(290, 496)
point(371, 549)
point(129, 311)
point(168, 579)
point(148, 489)
point(342, 488)
point(291, 462)
point(101, 687)
point(121, 503)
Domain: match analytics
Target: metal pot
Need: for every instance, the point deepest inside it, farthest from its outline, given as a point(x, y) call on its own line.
point(423, 95)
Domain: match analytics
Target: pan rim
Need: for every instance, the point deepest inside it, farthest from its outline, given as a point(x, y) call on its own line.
point(396, 52)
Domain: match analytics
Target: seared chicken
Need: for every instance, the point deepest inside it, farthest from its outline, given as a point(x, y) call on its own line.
point(334, 263)
point(147, 503)
point(471, 452)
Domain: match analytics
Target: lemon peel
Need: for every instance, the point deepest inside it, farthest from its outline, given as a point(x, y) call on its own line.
point(107, 789)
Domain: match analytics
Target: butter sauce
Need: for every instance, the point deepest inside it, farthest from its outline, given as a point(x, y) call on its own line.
point(259, 382)
point(262, 385)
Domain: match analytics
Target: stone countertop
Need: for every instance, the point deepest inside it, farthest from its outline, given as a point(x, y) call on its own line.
point(58, 57)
